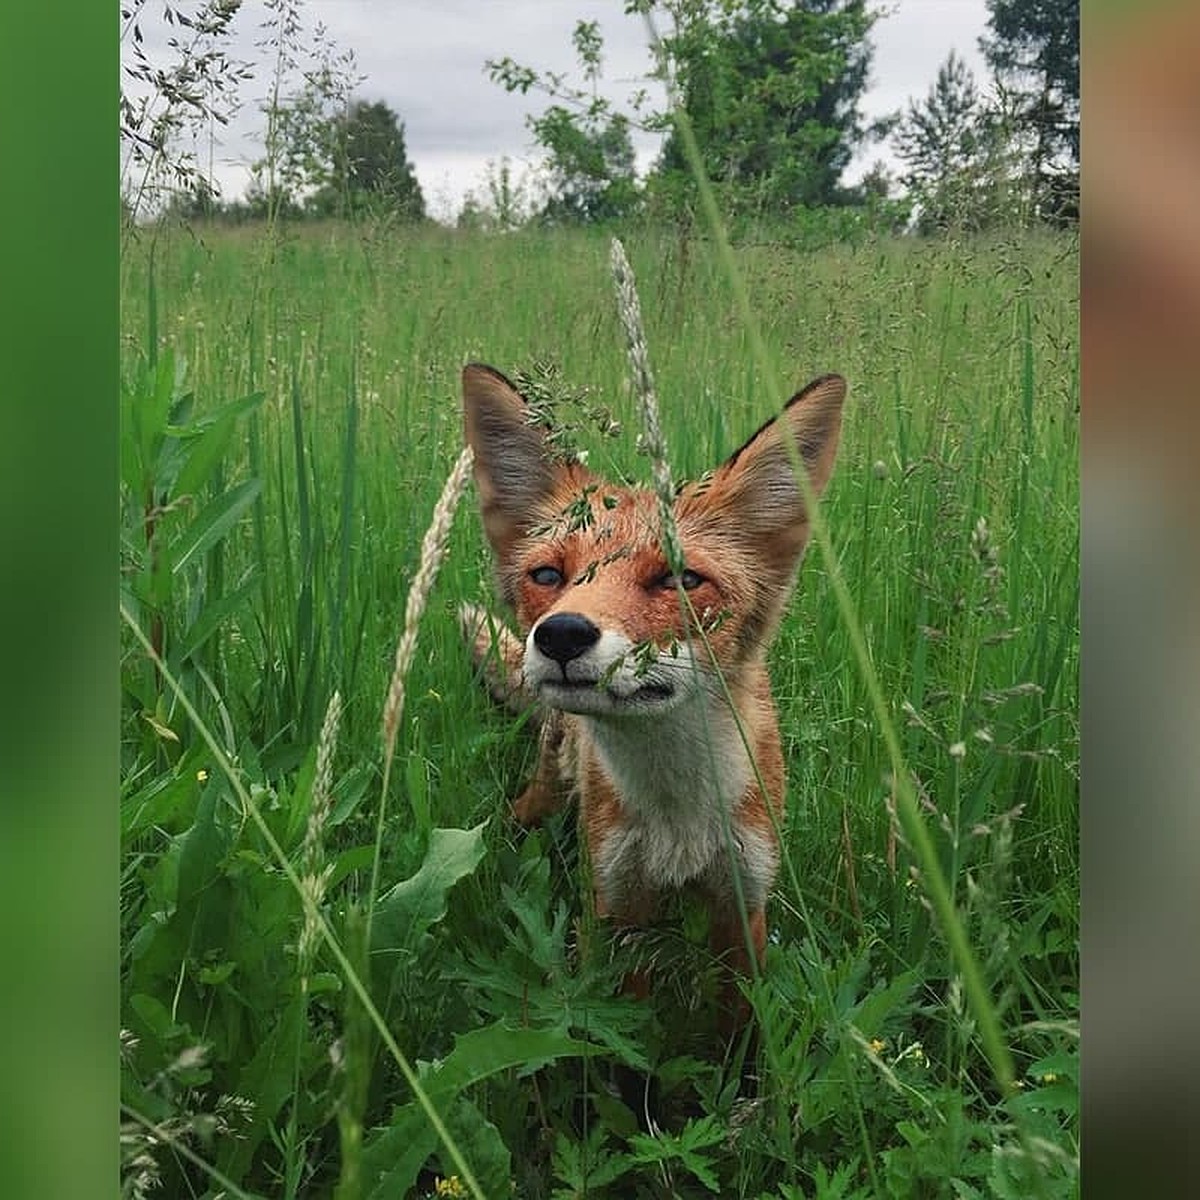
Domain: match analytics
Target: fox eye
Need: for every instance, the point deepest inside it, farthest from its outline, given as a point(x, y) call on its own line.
point(687, 579)
point(546, 576)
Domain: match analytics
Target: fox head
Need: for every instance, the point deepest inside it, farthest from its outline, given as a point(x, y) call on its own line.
point(610, 629)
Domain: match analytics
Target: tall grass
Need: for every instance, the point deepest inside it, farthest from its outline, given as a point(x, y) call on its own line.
point(953, 515)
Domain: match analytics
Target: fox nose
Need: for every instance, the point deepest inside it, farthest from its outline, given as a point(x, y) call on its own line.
point(565, 636)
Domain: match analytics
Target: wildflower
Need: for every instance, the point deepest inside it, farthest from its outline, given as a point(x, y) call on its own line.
point(1049, 1077)
point(450, 1186)
point(878, 1045)
point(958, 750)
point(202, 776)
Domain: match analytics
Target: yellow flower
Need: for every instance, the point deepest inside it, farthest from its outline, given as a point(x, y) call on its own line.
point(450, 1186)
point(1049, 1077)
point(877, 1045)
point(202, 776)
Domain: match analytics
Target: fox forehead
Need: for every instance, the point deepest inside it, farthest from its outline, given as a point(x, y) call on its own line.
point(590, 509)
point(617, 531)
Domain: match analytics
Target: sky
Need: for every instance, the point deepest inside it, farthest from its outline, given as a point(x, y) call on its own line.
point(425, 59)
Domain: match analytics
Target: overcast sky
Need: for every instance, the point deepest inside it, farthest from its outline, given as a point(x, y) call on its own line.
point(425, 59)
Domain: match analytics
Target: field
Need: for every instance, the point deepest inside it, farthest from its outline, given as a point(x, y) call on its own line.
point(313, 927)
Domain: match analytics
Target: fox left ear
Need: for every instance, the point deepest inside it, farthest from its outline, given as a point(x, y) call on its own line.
point(759, 477)
point(514, 470)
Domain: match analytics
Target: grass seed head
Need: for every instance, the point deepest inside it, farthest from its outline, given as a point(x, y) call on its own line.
point(651, 440)
point(433, 550)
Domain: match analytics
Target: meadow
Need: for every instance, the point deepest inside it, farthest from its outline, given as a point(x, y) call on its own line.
point(345, 971)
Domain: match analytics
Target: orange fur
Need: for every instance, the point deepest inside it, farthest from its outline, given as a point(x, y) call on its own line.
point(649, 682)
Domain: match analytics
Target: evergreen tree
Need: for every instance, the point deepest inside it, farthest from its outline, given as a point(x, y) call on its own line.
point(1033, 47)
point(368, 165)
point(953, 144)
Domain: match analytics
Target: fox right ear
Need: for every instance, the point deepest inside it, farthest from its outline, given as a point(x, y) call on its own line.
point(514, 471)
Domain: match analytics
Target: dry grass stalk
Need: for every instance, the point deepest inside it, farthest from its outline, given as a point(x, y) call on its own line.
point(652, 439)
point(433, 550)
point(314, 872)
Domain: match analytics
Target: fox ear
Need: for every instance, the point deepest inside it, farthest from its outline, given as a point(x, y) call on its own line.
point(758, 480)
point(514, 471)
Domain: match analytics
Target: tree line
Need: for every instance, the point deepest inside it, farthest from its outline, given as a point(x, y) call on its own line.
point(770, 92)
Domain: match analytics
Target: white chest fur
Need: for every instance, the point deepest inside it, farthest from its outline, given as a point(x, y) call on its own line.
point(680, 777)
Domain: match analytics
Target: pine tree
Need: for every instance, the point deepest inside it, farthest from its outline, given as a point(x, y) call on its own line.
point(1033, 47)
point(370, 166)
point(953, 147)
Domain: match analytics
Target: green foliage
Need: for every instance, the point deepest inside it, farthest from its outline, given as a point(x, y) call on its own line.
point(1033, 46)
point(178, 507)
point(336, 162)
point(954, 515)
point(771, 89)
point(589, 153)
point(961, 172)
point(369, 166)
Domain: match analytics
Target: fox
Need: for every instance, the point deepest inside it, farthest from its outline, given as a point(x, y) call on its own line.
point(656, 712)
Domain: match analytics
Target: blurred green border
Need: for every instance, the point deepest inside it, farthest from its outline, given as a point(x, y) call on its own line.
point(58, 541)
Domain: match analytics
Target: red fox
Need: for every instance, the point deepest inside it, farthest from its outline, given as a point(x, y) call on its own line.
point(658, 714)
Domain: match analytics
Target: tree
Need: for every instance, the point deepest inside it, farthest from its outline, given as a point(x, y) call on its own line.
point(589, 150)
point(505, 204)
point(954, 146)
point(771, 89)
point(368, 166)
point(1033, 48)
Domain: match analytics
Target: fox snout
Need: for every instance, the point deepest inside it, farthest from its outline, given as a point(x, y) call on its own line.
point(565, 636)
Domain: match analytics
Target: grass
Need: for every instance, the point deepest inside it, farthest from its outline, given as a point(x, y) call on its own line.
point(290, 416)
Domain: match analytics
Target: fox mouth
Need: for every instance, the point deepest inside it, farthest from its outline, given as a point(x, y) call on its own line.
point(592, 695)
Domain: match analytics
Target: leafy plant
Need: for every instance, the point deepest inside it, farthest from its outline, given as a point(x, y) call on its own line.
point(177, 510)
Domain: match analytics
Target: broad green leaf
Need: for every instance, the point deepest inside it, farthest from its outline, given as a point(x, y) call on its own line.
point(164, 797)
point(155, 1014)
point(357, 858)
point(214, 523)
point(482, 1146)
point(202, 903)
point(216, 613)
point(150, 408)
point(406, 911)
point(200, 459)
point(394, 1156)
point(205, 421)
point(269, 1079)
point(206, 440)
point(481, 1053)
